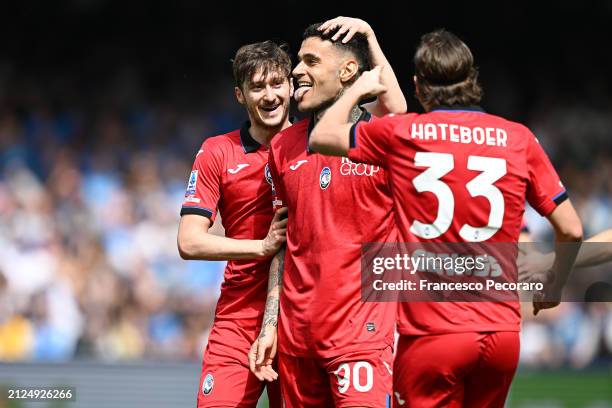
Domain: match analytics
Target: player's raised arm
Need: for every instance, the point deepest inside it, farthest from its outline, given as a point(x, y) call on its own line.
point(534, 264)
point(591, 255)
point(330, 135)
point(390, 101)
point(195, 242)
point(263, 350)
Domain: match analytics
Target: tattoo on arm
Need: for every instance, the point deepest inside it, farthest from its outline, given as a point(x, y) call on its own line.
point(355, 114)
point(275, 282)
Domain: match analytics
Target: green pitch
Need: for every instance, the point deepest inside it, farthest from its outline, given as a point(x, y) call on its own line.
point(562, 389)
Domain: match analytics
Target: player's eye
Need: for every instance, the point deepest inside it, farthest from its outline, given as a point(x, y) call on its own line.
point(310, 61)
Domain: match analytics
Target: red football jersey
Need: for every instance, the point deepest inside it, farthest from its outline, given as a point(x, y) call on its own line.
point(230, 174)
point(334, 206)
point(459, 175)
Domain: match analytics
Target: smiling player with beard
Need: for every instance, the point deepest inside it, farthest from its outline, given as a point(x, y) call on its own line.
point(327, 333)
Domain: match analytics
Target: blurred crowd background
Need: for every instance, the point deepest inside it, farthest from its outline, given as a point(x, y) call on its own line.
point(103, 106)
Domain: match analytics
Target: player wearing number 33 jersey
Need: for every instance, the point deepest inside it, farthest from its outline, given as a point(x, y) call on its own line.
point(479, 168)
point(458, 174)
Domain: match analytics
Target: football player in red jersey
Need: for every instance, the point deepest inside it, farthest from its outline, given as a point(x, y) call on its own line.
point(230, 175)
point(455, 354)
point(334, 348)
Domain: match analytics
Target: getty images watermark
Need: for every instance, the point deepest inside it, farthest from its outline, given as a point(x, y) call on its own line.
point(473, 272)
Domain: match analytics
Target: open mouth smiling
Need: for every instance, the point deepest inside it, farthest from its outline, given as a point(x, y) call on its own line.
point(303, 87)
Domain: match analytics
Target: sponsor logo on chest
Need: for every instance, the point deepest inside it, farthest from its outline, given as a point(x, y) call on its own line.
point(349, 168)
point(238, 167)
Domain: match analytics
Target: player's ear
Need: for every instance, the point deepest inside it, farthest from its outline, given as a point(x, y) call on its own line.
point(239, 95)
point(349, 70)
point(290, 88)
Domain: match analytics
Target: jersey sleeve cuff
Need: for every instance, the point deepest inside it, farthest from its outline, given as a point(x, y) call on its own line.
point(205, 212)
point(561, 197)
point(549, 206)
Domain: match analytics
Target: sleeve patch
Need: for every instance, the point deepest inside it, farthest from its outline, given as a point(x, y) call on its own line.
point(192, 183)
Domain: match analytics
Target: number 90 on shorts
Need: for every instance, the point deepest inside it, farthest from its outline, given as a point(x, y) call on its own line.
point(360, 377)
point(364, 378)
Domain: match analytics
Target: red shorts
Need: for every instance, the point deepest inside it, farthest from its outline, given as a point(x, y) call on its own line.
point(360, 378)
point(226, 380)
point(455, 370)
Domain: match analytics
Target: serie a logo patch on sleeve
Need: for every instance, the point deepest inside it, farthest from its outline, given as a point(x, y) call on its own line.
point(191, 185)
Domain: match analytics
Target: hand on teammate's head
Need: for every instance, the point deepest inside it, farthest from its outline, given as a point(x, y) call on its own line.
point(345, 26)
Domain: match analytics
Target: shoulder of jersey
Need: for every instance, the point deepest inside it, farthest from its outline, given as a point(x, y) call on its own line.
point(511, 125)
point(394, 119)
point(294, 131)
point(225, 139)
point(397, 117)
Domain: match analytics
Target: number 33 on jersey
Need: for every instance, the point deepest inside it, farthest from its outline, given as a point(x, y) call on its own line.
point(465, 174)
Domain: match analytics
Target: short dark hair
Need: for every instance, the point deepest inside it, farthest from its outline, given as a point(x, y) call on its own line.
point(358, 45)
point(266, 55)
point(445, 71)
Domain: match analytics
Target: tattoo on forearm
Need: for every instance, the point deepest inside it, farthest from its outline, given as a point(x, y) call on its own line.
point(275, 282)
point(271, 312)
point(281, 268)
point(276, 270)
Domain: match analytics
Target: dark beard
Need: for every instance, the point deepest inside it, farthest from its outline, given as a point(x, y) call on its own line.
point(354, 116)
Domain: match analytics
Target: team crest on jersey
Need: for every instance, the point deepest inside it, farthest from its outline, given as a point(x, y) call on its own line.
point(208, 384)
point(268, 175)
point(325, 178)
point(191, 185)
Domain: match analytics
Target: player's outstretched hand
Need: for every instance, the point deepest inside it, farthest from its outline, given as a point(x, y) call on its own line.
point(534, 266)
point(277, 234)
point(548, 298)
point(348, 26)
point(369, 83)
point(262, 353)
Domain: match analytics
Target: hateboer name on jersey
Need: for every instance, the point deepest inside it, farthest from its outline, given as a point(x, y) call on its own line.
point(460, 134)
